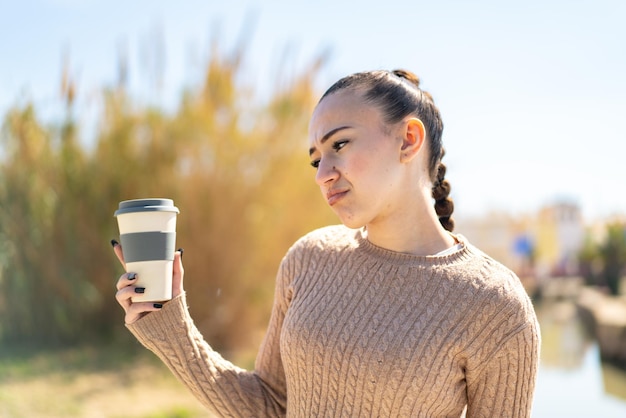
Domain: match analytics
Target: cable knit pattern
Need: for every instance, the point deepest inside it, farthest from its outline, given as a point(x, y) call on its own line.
point(360, 331)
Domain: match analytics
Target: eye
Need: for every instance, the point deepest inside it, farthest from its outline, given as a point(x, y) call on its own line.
point(337, 145)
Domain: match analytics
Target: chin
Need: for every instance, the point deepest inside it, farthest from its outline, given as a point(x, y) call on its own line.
point(351, 223)
point(349, 218)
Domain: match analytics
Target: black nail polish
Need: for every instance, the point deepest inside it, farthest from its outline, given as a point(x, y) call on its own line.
point(158, 305)
point(140, 289)
point(181, 251)
point(114, 243)
point(132, 276)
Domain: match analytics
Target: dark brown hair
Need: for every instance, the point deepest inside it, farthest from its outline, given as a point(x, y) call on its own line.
point(397, 93)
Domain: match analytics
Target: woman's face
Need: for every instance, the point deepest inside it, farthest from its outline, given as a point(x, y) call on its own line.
point(357, 159)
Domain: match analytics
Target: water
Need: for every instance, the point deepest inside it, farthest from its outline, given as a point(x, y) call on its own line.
point(572, 381)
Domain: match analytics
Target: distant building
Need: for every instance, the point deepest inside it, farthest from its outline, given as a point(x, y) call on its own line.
point(560, 237)
point(538, 246)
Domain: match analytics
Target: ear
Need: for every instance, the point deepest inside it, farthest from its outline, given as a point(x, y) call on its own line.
point(413, 137)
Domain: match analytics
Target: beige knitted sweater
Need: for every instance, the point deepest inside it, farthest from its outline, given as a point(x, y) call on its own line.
point(360, 331)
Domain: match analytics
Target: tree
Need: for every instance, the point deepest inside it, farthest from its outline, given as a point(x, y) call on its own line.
point(613, 255)
point(603, 263)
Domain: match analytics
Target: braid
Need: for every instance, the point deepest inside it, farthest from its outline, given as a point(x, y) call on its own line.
point(444, 206)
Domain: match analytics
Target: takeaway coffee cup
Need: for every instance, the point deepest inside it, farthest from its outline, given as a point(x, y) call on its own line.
point(148, 237)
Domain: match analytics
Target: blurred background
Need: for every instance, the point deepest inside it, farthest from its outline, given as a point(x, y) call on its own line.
point(208, 103)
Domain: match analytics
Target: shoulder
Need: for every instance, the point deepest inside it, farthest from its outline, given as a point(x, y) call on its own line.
point(498, 304)
point(497, 287)
point(326, 239)
point(321, 243)
point(485, 272)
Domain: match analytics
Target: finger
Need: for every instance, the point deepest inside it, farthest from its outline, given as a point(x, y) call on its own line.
point(125, 280)
point(139, 310)
point(134, 310)
point(117, 249)
point(124, 297)
point(178, 273)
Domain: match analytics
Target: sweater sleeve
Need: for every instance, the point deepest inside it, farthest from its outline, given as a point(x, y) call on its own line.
point(504, 385)
point(218, 384)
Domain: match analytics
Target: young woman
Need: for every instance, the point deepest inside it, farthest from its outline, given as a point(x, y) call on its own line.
point(389, 314)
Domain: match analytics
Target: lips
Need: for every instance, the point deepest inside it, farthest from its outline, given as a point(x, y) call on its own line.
point(334, 195)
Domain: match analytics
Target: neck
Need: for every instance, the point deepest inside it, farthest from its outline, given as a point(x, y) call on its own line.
point(414, 233)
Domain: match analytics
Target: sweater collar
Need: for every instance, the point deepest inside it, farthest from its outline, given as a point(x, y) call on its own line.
point(464, 252)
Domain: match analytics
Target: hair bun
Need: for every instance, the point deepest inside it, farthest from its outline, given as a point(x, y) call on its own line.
point(407, 75)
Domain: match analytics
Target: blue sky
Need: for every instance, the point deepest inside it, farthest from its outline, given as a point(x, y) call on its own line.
point(533, 93)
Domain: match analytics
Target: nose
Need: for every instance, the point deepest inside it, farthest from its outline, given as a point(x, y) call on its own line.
point(326, 173)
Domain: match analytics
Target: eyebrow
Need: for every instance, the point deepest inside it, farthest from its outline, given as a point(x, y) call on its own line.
point(327, 136)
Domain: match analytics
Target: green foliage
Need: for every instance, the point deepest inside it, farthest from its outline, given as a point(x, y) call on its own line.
point(603, 263)
point(238, 172)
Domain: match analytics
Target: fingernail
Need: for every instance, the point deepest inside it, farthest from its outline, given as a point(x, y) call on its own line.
point(140, 289)
point(158, 305)
point(132, 276)
point(114, 243)
point(181, 251)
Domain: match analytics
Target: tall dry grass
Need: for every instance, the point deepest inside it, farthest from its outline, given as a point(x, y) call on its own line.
point(235, 165)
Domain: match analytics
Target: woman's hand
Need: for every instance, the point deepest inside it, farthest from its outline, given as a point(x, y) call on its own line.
point(126, 287)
